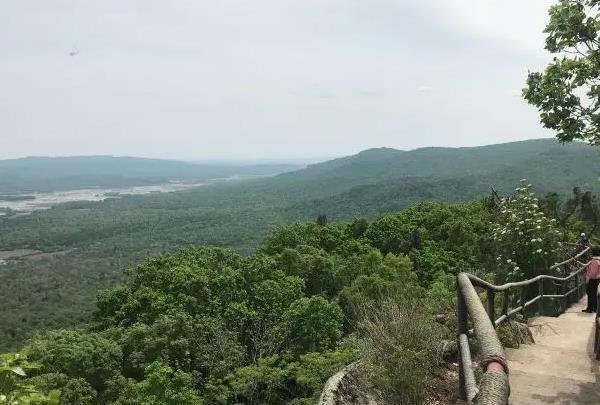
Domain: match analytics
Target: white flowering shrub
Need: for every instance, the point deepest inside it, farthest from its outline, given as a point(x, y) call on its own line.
point(526, 241)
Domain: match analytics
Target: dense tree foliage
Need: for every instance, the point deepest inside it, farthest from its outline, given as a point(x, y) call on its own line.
point(567, 93)
point(210, 325)
point(578, 213)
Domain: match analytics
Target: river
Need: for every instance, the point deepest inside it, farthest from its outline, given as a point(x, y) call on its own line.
point(43, 201)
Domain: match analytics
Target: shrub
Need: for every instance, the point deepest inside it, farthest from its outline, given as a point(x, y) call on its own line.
point(401, 351)
point(527, 242)
point(311, 325)
point(78, 355)
point(162, 386)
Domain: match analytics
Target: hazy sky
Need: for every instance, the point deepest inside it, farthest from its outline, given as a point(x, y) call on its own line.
point(247, 79)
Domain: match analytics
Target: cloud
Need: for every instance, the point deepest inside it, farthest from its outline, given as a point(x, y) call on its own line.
point(242, 78)
point(488, 20)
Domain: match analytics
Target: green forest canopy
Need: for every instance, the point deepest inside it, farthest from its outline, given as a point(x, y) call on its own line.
point(209, 325)
point(101, 239)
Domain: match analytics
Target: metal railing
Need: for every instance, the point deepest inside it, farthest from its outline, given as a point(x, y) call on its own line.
point(494, 387)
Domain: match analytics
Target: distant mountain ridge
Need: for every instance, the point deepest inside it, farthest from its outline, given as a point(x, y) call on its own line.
point(436, 161)
point(41, 174)
point(549, 165)
point(379, 179)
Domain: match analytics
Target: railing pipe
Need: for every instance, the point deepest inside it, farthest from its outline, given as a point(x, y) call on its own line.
point(494, 386)
point(495, 379)
point(540, 295)
point(484, 284)
point(571, 259)
point(465, 370)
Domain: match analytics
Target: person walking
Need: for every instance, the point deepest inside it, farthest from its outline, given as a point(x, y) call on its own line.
point(582, 244)
point(592, 277)
point(583, 241)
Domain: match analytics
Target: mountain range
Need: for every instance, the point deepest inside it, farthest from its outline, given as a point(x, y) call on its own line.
point(88, 244)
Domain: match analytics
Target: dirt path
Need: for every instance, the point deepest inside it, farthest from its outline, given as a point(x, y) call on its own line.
point(560, 368)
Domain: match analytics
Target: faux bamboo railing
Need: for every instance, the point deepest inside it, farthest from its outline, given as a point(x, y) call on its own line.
point(494, 386)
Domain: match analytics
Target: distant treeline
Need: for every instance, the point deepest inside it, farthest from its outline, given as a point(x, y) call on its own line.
point(16, 197)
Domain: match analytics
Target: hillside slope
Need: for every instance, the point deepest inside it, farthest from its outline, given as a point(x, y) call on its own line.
point(537, 157)
point(103, 238)
point(451, 175)
point(398, 178)
point(42, 174)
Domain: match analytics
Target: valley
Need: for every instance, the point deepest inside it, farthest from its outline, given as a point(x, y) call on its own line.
point(41, 201)
point(299, 202)
point(27, 203)
point(106, 236)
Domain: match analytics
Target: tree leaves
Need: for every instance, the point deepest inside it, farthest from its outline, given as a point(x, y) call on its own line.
point(567, 93)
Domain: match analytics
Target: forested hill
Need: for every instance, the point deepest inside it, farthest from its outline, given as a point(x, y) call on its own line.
point(42, 174)
point(557, 166)
point(376, 181)
point(551, 165)
point(98, 240)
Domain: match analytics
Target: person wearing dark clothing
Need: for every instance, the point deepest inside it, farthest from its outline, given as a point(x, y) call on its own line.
point(583, 241)
point(582, 244)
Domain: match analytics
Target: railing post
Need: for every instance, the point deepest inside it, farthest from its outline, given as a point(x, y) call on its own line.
point(581, 289)
point(463, 328)
point(505, 303)
point(557, 292)
point(541, 299)
point(575, 295)
point(564, 300)
point(491, 308)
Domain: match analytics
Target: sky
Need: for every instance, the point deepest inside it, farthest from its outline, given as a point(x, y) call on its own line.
point(256, 79)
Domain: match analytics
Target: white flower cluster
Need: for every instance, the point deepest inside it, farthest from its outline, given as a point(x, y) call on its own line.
point(522, 232)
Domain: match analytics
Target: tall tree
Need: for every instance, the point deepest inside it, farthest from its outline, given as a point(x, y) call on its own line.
point(567, 92)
